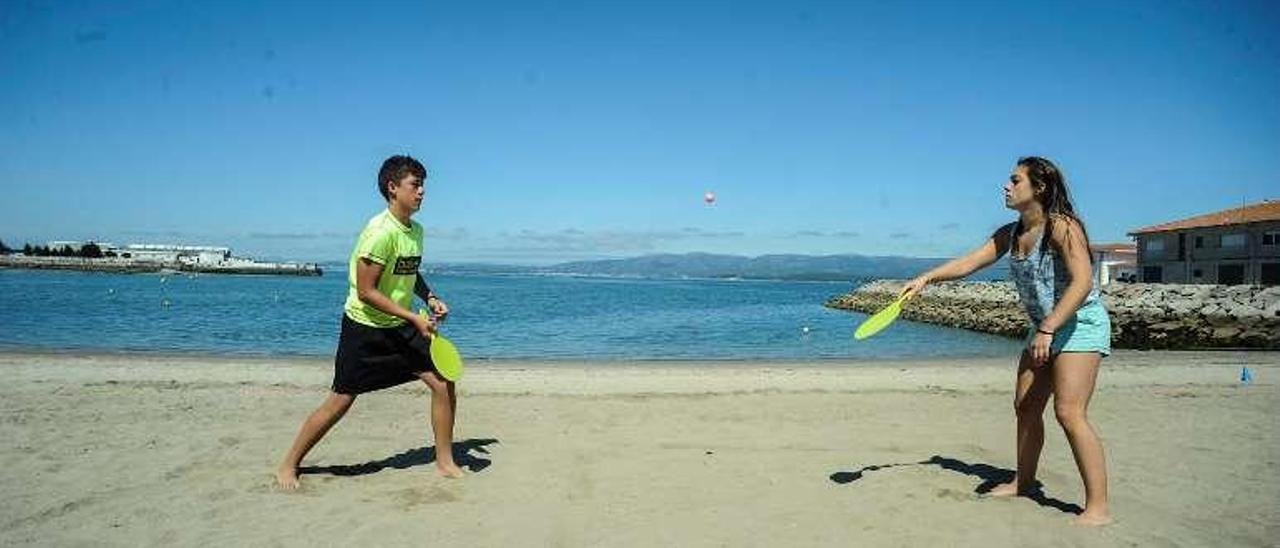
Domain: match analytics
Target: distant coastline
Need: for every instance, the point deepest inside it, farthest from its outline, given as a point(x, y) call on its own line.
point(708, 266)
point(130, 266)
point(146, 258)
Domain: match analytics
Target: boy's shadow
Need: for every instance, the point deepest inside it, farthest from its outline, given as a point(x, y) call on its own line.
point(413, 457)
point(991, 476)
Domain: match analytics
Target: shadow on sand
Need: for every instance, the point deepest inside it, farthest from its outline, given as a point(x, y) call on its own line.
point(991, 476)
point(414, 457)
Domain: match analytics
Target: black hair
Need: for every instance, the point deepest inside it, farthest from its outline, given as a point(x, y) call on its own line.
point(396, 168)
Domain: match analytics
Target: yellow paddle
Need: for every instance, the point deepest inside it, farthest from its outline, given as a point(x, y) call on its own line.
point(444, 355)
point(880, 320)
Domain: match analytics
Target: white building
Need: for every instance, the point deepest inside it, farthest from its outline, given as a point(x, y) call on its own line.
point(187, 254)
point(1116, 262)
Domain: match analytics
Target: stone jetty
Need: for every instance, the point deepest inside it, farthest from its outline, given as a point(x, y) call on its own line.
point(1143, 316)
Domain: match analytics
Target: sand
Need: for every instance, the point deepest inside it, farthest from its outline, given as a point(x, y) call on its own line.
point(148, 449)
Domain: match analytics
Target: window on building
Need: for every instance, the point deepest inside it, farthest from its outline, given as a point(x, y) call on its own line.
point(1155, 245)
point(1231, 274)
point(1271, 238)
point(1152, 274)
point(1197, 273)
point(1233, 240)
point(1270, 274)
point(1199, 242)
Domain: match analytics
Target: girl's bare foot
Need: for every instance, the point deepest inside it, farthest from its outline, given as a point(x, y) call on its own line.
point(1092, 519)
point(287, 479)
point(450, 471)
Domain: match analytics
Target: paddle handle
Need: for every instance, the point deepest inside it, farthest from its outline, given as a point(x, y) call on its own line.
point(422, 313)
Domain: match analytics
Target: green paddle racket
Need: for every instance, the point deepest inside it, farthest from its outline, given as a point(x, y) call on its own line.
point(445, 356)
point(880, 320)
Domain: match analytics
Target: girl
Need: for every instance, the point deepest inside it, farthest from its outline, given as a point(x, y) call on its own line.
point(1069, 330)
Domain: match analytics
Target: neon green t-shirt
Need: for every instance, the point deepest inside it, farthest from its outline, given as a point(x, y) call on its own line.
point(398, 248)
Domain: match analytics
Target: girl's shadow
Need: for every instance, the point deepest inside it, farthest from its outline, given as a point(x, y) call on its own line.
point(414, 457)
point(991, 476)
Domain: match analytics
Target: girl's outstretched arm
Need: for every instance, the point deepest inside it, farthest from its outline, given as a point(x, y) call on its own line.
point(989, 252)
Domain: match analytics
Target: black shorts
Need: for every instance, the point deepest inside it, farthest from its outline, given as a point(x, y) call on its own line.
point(373, 358)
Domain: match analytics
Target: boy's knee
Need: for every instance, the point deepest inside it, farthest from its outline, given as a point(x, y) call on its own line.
point(435, 383)
point(340, 402)
point(1027, 409)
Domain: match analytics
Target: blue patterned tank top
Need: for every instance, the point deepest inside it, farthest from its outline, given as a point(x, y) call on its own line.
point(1042, 277)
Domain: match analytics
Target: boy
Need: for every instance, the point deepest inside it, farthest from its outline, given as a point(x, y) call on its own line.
point(383, 343)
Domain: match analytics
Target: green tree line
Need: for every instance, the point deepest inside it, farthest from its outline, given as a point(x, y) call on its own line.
point(88, 251)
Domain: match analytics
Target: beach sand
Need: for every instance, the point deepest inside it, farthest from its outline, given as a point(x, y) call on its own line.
point(136, 449)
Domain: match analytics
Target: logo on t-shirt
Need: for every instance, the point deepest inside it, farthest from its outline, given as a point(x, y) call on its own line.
point(407, 265)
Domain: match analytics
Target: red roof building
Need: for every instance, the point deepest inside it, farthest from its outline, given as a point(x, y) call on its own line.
point(1233, 246)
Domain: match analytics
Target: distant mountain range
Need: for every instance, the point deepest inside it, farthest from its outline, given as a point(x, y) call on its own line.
point(707, 265)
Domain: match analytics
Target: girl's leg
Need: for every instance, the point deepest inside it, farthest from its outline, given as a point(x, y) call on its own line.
point(1033, 387)
point(1074, 376)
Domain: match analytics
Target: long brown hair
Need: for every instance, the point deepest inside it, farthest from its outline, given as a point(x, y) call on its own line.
point(1053, 195)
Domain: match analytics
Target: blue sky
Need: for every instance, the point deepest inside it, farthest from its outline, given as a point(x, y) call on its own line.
point(560, 132)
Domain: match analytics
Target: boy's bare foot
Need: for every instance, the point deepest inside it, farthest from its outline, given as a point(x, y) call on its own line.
point(450, 471)
point(1092, 519)
point(1005, 490)
point(287, 479)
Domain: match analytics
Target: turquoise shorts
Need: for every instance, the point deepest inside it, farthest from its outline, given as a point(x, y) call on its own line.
point(1088, 331)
